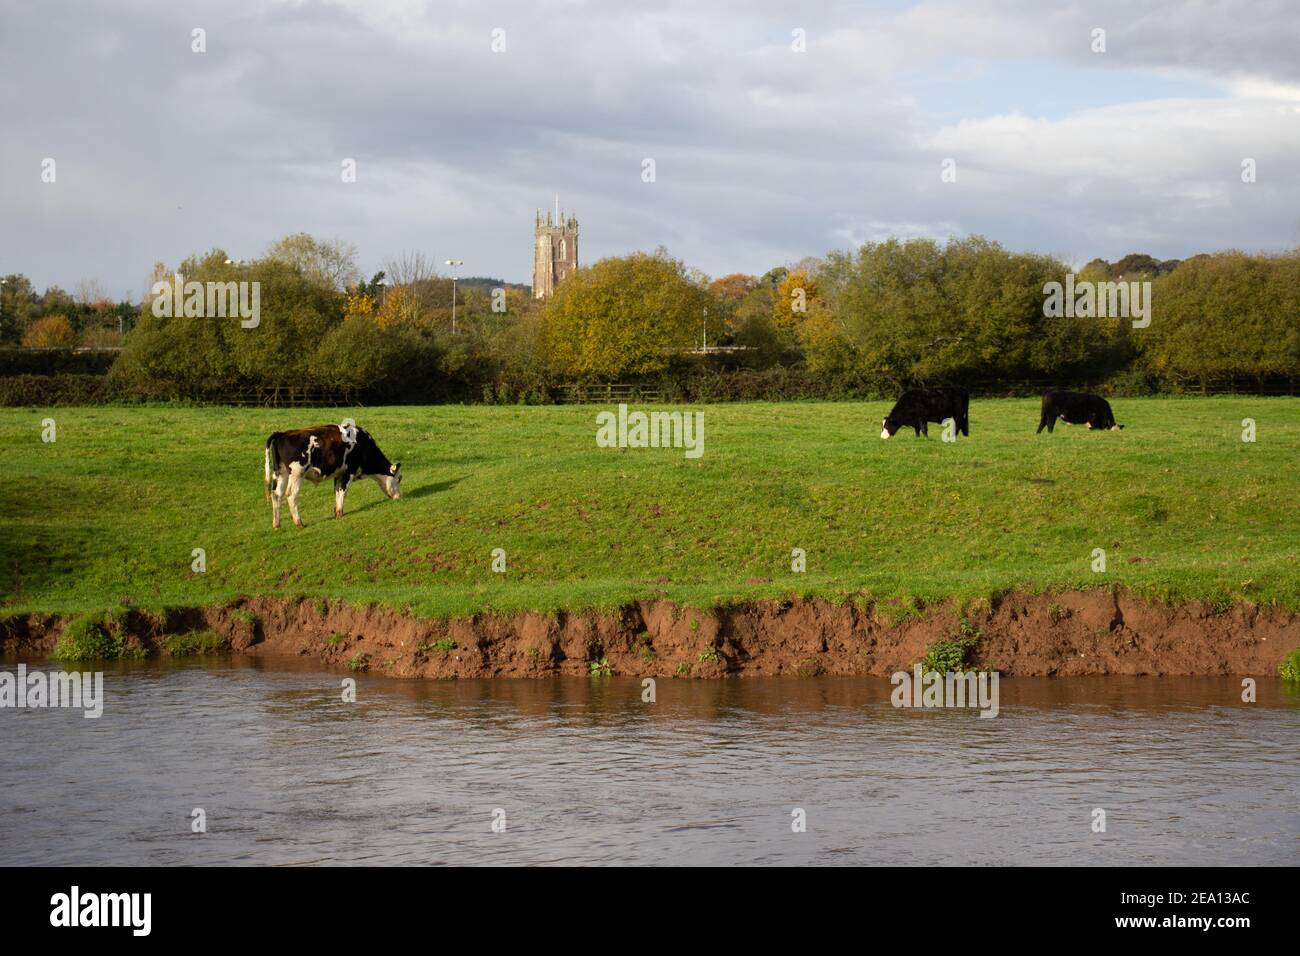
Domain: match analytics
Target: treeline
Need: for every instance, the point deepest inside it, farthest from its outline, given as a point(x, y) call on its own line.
point(858, 323)
point(57, 319)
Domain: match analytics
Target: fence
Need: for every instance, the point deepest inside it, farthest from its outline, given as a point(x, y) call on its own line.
point(607, 394)
point(286, 396)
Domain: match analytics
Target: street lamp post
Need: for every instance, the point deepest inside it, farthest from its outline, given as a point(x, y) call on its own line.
point(453, 263)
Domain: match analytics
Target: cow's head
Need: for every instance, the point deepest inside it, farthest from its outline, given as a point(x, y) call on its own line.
point(391, 482)
point(890, 426)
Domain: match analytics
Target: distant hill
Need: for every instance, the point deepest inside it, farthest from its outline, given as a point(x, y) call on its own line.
point(488, 284)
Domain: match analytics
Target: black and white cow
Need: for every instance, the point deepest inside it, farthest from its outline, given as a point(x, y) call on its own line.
point(918, 406)
point(343, 452)
point(1076, 408)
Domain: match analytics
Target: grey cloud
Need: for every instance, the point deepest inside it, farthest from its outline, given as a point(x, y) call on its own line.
point(764, 155)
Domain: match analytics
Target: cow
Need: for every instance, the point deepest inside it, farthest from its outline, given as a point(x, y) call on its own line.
point(1076, 408)
point(343, 452)
point(918, 406)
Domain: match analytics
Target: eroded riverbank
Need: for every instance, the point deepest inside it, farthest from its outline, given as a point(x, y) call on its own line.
point(1078, 633)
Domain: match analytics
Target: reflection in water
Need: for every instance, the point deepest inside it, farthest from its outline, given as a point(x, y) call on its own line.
point(586, 772)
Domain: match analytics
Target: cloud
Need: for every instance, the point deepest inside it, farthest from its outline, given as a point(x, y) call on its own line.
point(764, 155)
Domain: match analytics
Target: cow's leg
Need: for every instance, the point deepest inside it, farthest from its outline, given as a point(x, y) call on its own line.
point(924, 429)
point(293, 488)
point(340, 493)
point(277, 491)
point(1044, 420)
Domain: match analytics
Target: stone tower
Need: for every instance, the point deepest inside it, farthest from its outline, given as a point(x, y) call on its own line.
point(555, 251)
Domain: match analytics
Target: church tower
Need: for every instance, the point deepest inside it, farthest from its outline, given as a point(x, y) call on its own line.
point(555, 251)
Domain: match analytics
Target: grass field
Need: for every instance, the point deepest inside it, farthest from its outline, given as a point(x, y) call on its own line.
point(111, 511)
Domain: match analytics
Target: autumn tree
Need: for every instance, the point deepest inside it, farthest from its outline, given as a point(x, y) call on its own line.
point(623, 316)
point(796, 295)
point(52, 331)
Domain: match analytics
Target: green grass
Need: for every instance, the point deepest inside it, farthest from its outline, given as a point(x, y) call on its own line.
point(194, 643)
point(444, 646)
point(1289, 669)
point(108, 515)
point(99, 636)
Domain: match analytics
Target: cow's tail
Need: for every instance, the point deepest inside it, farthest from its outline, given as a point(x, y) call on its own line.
point(272, 465)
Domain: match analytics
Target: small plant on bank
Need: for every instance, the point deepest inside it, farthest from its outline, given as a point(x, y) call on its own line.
point(361, 662)
point(710, 655)
point(683, 669)
point(600, 668)
point(335, 639)
point(1056, 613)
point(810, 667)
point(442, 646)
point(194, 643)
point(1289, 669)
point(950, 655)
point(96, 637)
point(85, 639)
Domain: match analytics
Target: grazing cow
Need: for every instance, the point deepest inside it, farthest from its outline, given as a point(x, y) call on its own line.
point(343, 452)
point(917, 406)
point(1076, 408)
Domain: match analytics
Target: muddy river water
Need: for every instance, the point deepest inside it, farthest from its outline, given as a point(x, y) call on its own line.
point(585, 771)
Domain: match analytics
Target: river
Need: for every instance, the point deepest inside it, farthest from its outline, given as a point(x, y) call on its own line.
point(583, 771)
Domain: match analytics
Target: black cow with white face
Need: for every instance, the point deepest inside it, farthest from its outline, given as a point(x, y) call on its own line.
point(918, 406)
point(1076, 408)
point(343, 452)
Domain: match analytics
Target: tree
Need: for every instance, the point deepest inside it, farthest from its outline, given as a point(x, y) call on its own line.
point(1224, 316)
point(796, 296)
point(53, 331)
point(969, 310)
point(89, 291)
point(18, 305)
point(330, 261)
point(623, 316)
point(733, 287)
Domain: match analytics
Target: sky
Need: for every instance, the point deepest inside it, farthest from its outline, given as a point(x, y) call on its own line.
point(777, 130)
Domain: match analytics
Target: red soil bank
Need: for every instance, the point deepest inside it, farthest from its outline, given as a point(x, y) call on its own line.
point(1067, 634)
